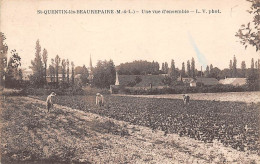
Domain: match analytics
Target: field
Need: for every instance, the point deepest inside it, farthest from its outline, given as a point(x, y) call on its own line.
point(129, 130)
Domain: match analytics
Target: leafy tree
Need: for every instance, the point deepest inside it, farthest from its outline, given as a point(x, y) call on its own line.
point(13, 72)
point(138, 67)
point(224, 73)
point(243, 69)
point(215, 72)
point(188, 68)
point(250, 34)
point(45, 58)
point(104, 74)
point(192, 67)
point(167, 80)
point(84, 75)
point(37, 78)
point(3, 58)
point(57, 63)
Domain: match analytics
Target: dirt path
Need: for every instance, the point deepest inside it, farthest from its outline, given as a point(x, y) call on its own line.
point(247, 97)
point(72, 135)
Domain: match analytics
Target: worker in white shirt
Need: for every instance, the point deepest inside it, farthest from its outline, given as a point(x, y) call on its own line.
point(99, 99)
point(49, 101)
point(186, 99)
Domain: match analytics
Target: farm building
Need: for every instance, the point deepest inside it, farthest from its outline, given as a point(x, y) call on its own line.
point(203, 81)
point(138, 81)
point(186, 80)
point(233, 81)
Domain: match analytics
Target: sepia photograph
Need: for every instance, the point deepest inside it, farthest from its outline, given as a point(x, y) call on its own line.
point(136, 82)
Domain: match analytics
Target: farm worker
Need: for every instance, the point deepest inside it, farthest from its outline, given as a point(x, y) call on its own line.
point(99, 99)
point(186, 99)
point(49, 102)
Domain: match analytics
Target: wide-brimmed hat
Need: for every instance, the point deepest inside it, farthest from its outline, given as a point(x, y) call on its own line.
point(98, 94)
point(53, 94)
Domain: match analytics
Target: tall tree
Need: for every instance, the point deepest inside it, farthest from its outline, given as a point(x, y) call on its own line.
point(252, 65)
point(234, 66)
point(3, 59)
point(63, 69)
point(210, 68)
point(37, 78)
point(57, 63)
point(207, 71)
point(192, 67)
point(166, 67)
point(13, 72)
point(188, 68)
point(243, 68)
point(231, 68)
point(68, 71)
point(72, 73)
point(172, 72)
point(163, 68)
point(250, 34)
point(183, 69)
point(252, 79)
point(52, 70)
point(45, 58)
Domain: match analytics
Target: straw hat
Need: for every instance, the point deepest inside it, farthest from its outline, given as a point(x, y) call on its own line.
point(53, 94)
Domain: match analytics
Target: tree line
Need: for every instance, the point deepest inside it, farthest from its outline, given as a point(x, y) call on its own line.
point(187, 70)
point(41, 72)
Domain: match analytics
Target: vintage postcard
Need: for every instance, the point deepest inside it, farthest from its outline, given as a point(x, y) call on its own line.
point(129, 81)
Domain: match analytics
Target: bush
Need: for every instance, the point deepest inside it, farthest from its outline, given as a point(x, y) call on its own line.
point(184, 89)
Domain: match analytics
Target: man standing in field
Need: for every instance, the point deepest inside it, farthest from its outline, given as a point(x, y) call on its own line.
point(49, 103)
point(99, 99)
point(186, 99)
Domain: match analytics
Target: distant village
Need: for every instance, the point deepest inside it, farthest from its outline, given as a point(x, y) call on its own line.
point(138, 75)
point(153, 77)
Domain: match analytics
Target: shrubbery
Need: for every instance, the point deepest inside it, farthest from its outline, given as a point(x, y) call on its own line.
point(184, 89)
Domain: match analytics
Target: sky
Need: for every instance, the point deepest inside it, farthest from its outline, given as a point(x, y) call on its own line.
point(208, 38)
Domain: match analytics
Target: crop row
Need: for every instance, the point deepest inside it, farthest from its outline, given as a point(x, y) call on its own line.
point(232, 123)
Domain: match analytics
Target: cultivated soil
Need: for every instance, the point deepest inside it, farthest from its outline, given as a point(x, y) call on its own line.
point(65, 135)
point(248, 97)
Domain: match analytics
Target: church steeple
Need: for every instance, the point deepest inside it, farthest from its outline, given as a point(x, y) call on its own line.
point(117, 81)
point(90, 69)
